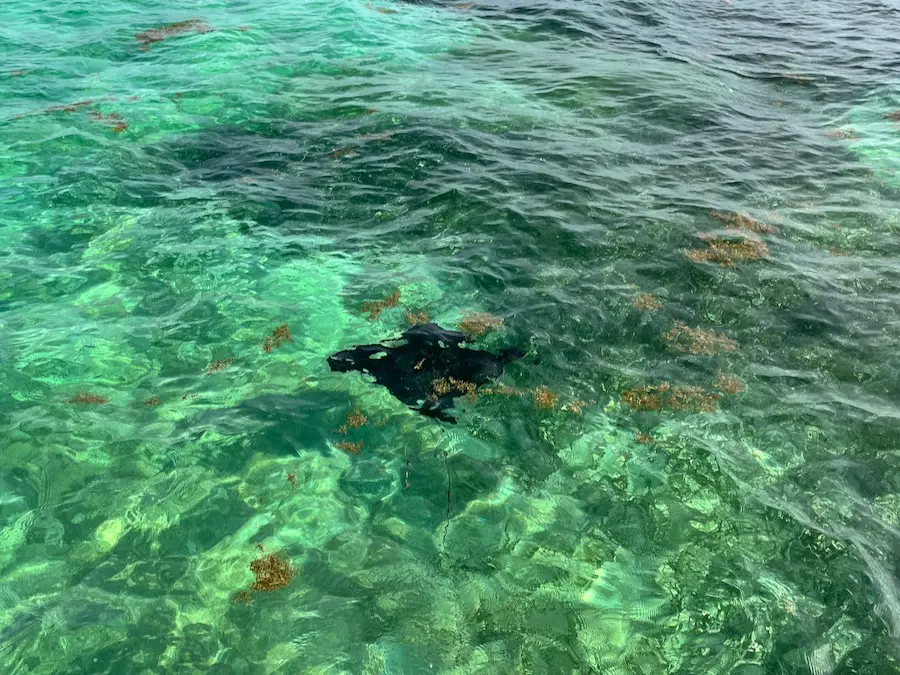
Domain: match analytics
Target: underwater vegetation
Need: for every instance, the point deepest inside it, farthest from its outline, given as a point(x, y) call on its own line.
point(575, 407)
point(450, 386)
point(646, 302)
point(729, 384)
point(477, 324)
point(87, 399)
point(544, 398)
point(692, 399)
point(738, 221)
point(218, 366)
point(152, 402)
point(281, 334)
point(683, 338)
point(797, 78)
point(69, 107)
point(681, 398)
point(375, 307)
point(840, 134)
point(726, 252)
point(271, 572)
point(646, 398)
point(416, 318)
point(113, 120)
point(346, 151)
point(378, 136)
point(501, 390)
point(242, 597)
point(355, 420)
point(160, 33)
point(541, 396)
point(350, 447)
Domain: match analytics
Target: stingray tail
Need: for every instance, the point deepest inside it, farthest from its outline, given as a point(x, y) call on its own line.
point(437, 413)
point(512, 354)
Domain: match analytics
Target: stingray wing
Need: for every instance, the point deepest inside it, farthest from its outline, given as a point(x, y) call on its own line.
point(431, 332)
point(410, 366)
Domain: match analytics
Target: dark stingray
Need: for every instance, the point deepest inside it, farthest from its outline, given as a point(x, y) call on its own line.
point(410, 366)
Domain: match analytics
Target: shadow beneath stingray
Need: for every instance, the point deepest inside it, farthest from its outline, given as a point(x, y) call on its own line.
point(278, 424)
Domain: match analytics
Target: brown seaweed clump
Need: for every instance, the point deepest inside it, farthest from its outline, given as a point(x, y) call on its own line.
point(279, 335)
point(350, 447)
point(355, 420)
point(477, 324)
point(217, 366)
point(114, 121)
point(453, 387)
point(646, 398)
point(739, 221)
point(726, 252)
point(378, 136)
point(242, 597)
point(347, 151)
point(665, 395)
point(696, 340)
point(544, 398)
point(87, 399)
point(575, 407)
point(416, 318)
point(797, 78)
point(646, 302)
point(374, 307)
point(271, 572)
point(693, 399)
point(840, 134)
point(69, 107)
point(152, 401)
point(501, 390)
point(728, 383)
point(148, 37)
point(282, 334)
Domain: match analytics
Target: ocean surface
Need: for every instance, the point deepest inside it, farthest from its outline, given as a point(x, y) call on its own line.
point(688, 215)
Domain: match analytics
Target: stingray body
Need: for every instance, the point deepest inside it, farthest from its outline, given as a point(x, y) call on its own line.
point(427, 368)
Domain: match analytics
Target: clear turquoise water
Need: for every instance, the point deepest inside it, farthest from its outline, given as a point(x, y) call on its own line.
point(547, 163)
